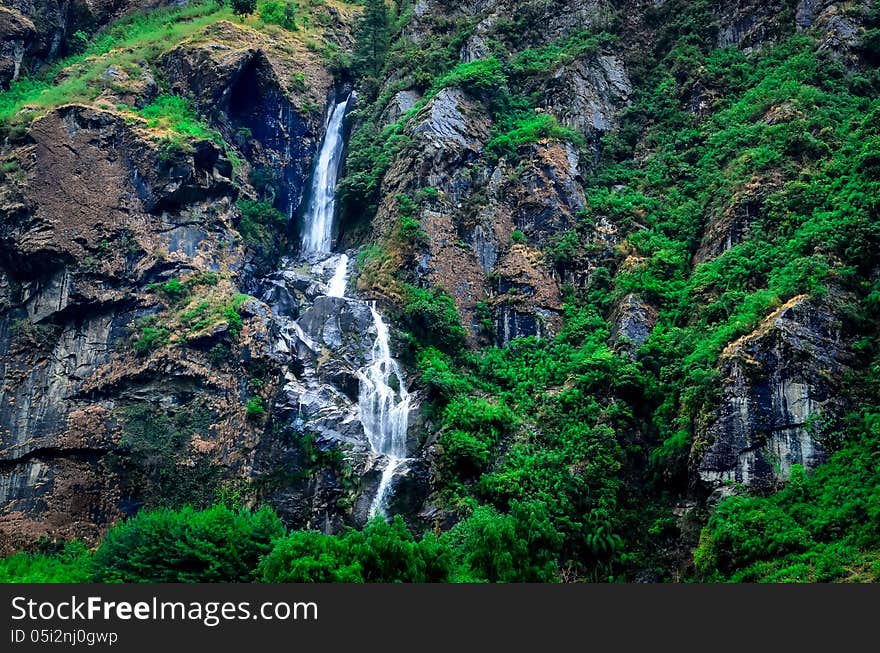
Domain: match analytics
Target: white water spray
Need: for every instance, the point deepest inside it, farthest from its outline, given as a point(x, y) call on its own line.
point(340, 278)
point(384, 405)
point(318, 217)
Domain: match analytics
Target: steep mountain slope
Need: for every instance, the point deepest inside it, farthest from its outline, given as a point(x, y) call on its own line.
point(629, 249)
point(131, 354)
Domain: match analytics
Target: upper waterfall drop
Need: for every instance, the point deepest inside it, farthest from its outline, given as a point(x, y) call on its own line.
point(318, 216)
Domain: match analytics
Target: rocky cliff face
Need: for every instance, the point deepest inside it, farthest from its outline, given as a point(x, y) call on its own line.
point(781, 399)
point(491, 218)
point(96, 219)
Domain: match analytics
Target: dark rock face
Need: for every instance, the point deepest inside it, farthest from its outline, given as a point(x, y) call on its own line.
point(780, 397)
point(242, 79)
point(76, 226)
point(16, 32)
point(95, 214)
point(588, 94)
point(632, 322)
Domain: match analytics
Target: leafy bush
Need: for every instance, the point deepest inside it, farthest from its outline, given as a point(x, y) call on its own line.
point(150, 339)
point(71, 565)
point(279, 12)
point(547, 58)
point(520, 546)
point(380, 553)
point(260, 224)
point(254, 409)
point(482, 78)
point(531, 128)
point(176, 114)
point(187, 546)
point(243, 8)
point(431, 316)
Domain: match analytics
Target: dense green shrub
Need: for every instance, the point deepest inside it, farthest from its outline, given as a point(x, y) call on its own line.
point(254, 409)
point(176, 114)
point(72, 564)
point(260, 225)
point(431, 316)
point(381, 553)
point(531, 128)
point(279, 12)
point(187, 546)
point(521, 546)
point(243, 7)
point(149, 339)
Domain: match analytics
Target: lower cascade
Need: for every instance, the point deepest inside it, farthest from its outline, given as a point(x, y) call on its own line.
point(339, 279)
point(384, 405)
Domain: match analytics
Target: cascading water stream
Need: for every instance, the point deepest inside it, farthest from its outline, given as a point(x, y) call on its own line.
point(340, 278)
point(318, 218)
point(383, 401)
point(384, 409)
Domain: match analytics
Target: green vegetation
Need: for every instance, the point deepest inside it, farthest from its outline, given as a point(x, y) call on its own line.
point(150, 338)
point(371, 43)
point(261, 225)
point(186, 546)
point(254, 409)
point(545, 59)
point(209, 313)
point(221, 544)
point(128, 42)
point(380, 553)
point(786, 136)
point(175, 120)
point(72, 564)
point(818, 528)
point(153, 459)
point(562, 457)
point(203, 304)
point(409, 229)
point(431, 317)
point(531, 128)
point(280, 12)
point(243, 8)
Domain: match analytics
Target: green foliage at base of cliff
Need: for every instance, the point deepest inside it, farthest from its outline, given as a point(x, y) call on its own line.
point(820, 527)
point(228, 545)
point(72, 564)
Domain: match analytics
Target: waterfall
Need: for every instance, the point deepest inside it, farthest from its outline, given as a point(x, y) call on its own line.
point(318, 217)
point(383, 401)
point(340, 278)
point(384, 409)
